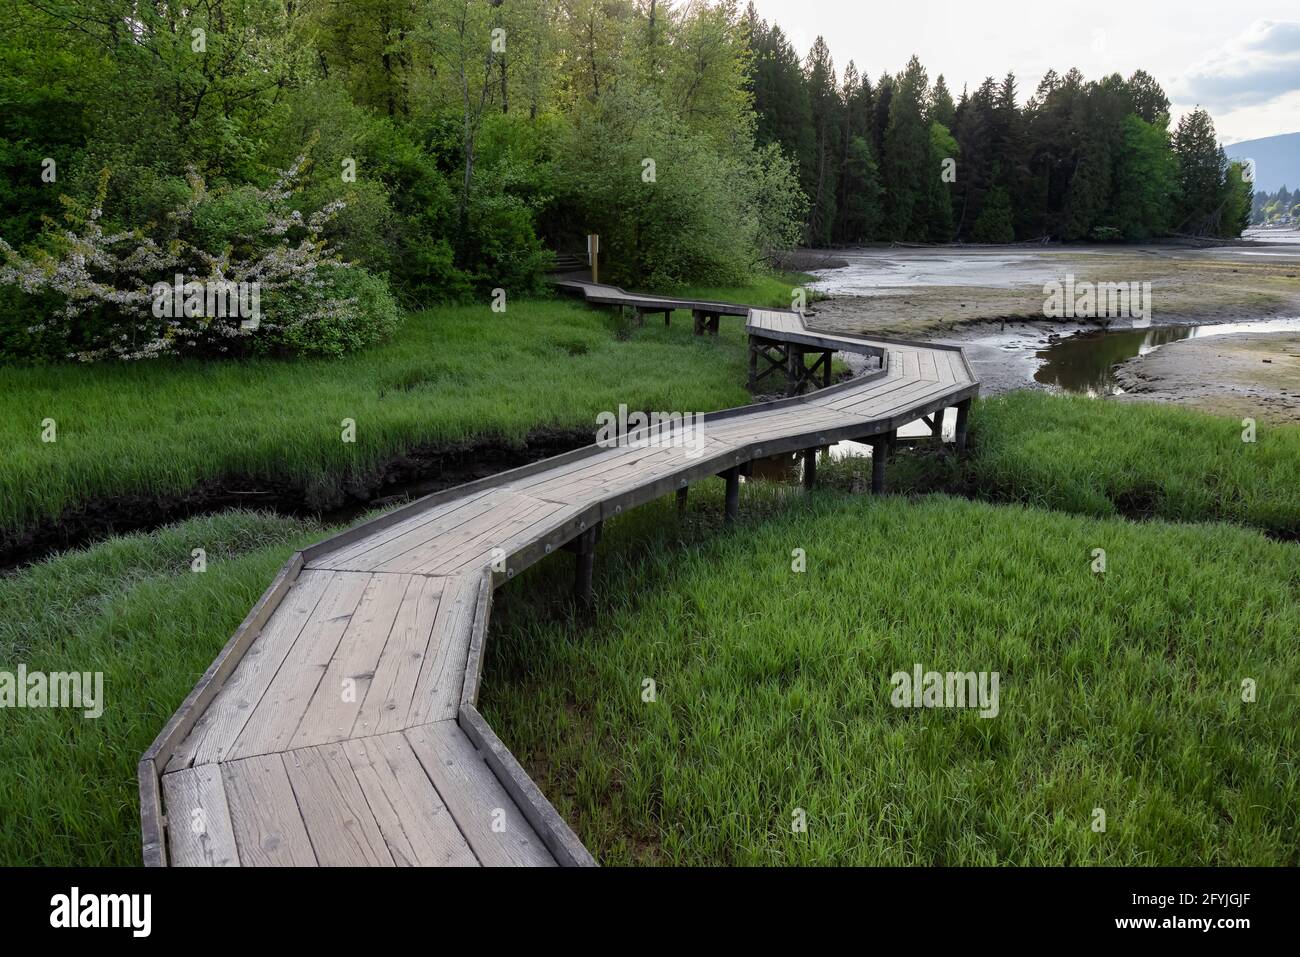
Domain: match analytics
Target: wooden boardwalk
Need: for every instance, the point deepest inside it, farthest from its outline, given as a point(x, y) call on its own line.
point(339, 725)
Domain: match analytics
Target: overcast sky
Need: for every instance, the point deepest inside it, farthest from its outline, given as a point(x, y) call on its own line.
point(1238, 58)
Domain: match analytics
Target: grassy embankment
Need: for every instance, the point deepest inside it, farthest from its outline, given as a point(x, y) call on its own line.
point(449, 376)
point(1136, 460)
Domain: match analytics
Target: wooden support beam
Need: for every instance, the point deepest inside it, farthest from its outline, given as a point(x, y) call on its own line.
point(697, 318)
point(879, 456)
point(668, 317)
point(936, 427)
point(826, 369)
point(809, 468)
point(712, 323)
point(892, 439)
point(681, 500)
point(963, 414)
point(795, 373)
point(584, 550)
point(775, 357)
point(753, 363)
point(732, 478)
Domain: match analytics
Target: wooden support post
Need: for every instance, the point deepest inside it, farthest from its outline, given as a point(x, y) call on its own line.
point(668, 317)
point(732, 478)
point(681, 500)
point(698, 318)
point(794, 370)
point(879, 455)
point(584, 550)
point(892, 439)
point(640, 316)
point(963, 414)
point(753, 363)
point(809, 467)
point(826, 369)
point(711, 323)
point(936, 429)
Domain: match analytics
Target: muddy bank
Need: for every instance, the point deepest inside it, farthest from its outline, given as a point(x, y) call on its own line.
point(946, 289)
point(1248, 374)
point(418, 472)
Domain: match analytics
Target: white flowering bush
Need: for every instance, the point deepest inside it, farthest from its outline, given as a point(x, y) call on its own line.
point(125, 295)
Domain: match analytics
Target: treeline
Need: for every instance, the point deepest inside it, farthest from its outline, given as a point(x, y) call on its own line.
point(899, 160)
point(450, 146)
point(1280, 207)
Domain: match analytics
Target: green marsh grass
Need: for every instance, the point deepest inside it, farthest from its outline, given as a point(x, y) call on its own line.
point(450, 375)
point(1120, 692)
point(1137, 459)
point(132, 608)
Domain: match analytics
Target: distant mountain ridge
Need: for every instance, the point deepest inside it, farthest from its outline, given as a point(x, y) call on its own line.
point(1277, 160)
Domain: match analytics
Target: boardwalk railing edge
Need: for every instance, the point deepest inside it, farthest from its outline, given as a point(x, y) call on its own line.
point(559, 838)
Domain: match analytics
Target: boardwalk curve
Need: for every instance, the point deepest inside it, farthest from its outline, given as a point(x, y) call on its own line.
point(339, 725)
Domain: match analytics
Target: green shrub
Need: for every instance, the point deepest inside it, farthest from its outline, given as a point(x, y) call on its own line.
point(696, 215)
point(348, 309)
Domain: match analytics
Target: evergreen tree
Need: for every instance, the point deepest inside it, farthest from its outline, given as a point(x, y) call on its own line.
point(906, 161)
point(938, 199)
point(1202, 172)
point(942, 109)
point(820, 179)
point(994, 222)
point(1147, 99)
point(1145, 181)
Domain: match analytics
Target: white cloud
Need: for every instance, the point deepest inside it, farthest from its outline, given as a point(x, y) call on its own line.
point(1257, 67)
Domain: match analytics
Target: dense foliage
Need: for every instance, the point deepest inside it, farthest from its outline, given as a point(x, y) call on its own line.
point(455, 143)
point(899, 161)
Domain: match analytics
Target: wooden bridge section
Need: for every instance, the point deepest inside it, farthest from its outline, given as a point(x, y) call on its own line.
point(339, 725)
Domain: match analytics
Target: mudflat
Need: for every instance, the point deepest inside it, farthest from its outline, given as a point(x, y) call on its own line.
point(939, 289)
point(1250, 374)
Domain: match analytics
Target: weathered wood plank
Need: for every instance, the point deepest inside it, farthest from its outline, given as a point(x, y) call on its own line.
point(369, 555)
point(492, 823)
point(436, 696)
point(199, 830)
point(339, 822)
point(415, 822)
point(388, 702)
point(275, 718)
point(334, 707)
point(264, 814)
point(219, 726)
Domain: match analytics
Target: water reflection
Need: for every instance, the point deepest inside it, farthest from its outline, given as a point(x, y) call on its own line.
point(1085, 362)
